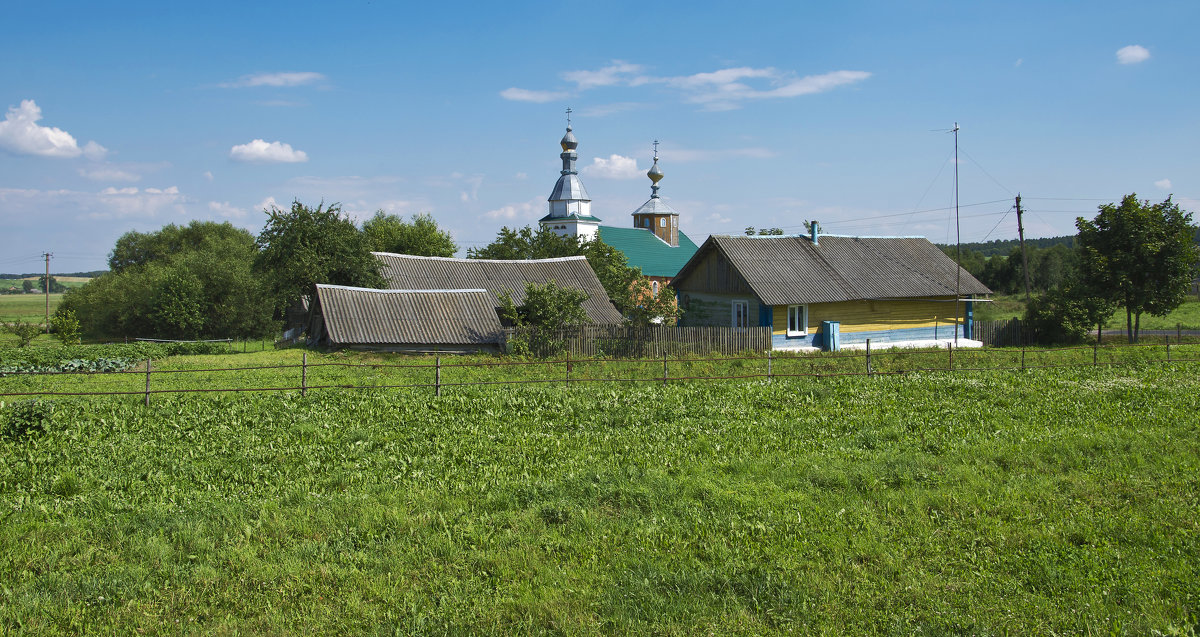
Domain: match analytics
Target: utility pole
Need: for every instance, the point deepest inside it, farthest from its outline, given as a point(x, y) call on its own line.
point(47, 290)
point(1024, 256)
point(957, 244)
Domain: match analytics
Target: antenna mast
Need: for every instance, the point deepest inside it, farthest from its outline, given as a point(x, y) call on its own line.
point(957, 243)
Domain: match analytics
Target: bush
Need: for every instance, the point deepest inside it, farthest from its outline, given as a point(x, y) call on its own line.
point(65, 327)
point(25, 418)
point(25, 332)
point(1066, 315)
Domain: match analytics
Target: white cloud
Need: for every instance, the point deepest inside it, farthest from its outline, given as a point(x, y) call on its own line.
point(615, 73)
point(108, 173)
point(224, 209)
point(208, 175)
point(528, 210)
point(522, 176)
point(1163, 183)
point(1132, 54)
point(259, 151)
point(118, 203)
point(19, 133)
point(276, 79)
point(723, 89)
point(603, 110)
point(267, 204)
point(538, 97)
point(614, 167)
point(697, 154)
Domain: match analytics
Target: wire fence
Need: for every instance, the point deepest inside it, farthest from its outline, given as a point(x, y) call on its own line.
point(436, 375)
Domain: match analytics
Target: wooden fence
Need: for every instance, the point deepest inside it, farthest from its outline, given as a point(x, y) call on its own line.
point(620, 341)
point(1004, 333)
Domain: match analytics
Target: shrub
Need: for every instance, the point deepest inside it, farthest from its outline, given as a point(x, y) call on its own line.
point(65, 327)
point(25, 418)
point(25, 332)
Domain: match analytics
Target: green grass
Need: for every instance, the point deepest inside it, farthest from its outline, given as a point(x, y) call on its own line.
point(26, 307)
point(1186, 315)
point(1027, 502)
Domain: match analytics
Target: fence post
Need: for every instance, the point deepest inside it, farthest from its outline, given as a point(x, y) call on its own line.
point(950, 349)
point(768, 364)
point(1022, 356)
point(868, 357)
point(147, 382)
point(1168, 348)
point(664, 369)
point(304, 375)
point(1095, 353)
point(437, 376)
point(568, 367)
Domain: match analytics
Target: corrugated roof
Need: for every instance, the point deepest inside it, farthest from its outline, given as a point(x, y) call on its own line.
point(408, 317)
point(644, 250)
point(409, 272)
point(790, 269)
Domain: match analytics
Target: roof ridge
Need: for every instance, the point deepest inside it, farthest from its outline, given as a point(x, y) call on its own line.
point(462, 260)
point(330, 286)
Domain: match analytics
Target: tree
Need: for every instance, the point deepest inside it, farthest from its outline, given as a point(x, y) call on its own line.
point(197, 282)
point(304, 246)
point(55, 286)
point(1067, 313)
point(27, 286)
point(65, 327)
point(25, 332)
point(546, 306)
point(626, 287)
point(1140, 255)
point(421, 236)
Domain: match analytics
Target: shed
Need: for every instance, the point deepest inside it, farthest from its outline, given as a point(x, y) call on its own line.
point(404, 320)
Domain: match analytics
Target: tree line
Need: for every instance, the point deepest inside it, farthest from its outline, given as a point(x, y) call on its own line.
point(213, 280)
point(1134, 255)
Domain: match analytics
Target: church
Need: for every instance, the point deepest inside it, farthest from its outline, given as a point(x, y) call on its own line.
point(652, 242)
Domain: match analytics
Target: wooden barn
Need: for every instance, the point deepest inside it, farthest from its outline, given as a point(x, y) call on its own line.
point(404, 320)
point(408, 272)
point(829, 292)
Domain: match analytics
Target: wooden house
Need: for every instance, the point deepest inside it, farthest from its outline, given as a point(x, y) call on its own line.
point(829, 292)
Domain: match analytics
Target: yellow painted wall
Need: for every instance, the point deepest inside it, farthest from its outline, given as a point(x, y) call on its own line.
point(869, 316)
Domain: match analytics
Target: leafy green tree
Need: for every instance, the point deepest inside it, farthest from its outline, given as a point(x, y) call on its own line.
point(609, 264)
point(197, 282)
point(421, 236)
point(1067, 313)
point(55, 286)
point(546, 306)
point(65, 327)
point(25, 332)
point(304, 246)
point(27, 285)
point(1140, 255)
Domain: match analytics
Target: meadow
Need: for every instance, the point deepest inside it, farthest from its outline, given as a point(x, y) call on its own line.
point(1032, 501)
point(26, 307)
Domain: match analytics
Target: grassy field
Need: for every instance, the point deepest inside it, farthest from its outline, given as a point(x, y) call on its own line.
point(1028, 502)
point(1006, 307)
point(26, 307)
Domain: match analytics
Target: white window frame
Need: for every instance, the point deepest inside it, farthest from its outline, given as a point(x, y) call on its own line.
point(662, 222)
point(801, 314)
point(745, 305)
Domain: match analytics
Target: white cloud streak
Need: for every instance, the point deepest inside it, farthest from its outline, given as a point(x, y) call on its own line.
point(20, 134)
point(260, 152)
point(527, 210)
point(537, 97)
point(301, 78)
point(1163, 183)
point(723, 89)
point(1132, 54)
point(108, 173)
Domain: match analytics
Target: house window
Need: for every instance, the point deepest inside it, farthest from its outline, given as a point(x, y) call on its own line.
point(797, 324)
point(654, 287)
point(740, 318)
point(647, 222)
point(662, 222)
point(674, 222)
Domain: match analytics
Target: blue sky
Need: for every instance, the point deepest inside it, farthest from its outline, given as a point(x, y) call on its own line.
point(129, 116)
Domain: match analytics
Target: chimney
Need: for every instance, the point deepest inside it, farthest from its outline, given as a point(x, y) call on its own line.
point(814, 230)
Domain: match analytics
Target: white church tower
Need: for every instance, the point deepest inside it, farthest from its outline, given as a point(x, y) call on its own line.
point(570, 207)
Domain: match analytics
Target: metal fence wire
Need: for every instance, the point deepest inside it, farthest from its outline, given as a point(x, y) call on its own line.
point(436, 375)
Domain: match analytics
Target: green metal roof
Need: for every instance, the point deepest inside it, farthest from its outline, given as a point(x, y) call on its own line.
point(644, 250)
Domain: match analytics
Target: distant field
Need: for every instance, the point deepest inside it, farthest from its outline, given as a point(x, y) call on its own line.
point(26, 307)
point(66, 281)
point(1013, 306)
